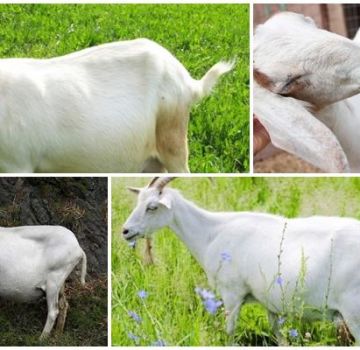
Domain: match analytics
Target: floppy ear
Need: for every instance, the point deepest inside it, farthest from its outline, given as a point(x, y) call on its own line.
point(134, 189)
point(294, 129)
point(166, 201)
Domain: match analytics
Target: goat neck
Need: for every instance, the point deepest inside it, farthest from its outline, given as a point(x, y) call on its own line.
point(195, 226)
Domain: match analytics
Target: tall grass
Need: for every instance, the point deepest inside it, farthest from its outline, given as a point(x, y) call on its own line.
point(199, 35)
point(173, 312)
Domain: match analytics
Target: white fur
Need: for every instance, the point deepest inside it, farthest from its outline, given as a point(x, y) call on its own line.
point(294, 129)
point(328, 246)
point(35, 260)
point(118, 107)
point(343, 119)
point(290, 45)
point(357, 36)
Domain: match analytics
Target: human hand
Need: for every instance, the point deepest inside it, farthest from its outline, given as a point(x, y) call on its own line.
point(261, 137)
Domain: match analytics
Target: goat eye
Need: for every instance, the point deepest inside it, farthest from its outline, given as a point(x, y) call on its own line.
point(292, 85)
point(152, 208)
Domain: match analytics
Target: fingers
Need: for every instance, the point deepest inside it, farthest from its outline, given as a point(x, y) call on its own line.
point(261, 137)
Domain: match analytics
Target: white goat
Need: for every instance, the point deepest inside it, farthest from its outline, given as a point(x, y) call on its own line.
point(305, 63)
point(268, 254)
point(36, 260)
point(118, 107)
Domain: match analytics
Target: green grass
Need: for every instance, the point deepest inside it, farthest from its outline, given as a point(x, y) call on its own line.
point(198, 35)
point(172, 311)
point(86, 322)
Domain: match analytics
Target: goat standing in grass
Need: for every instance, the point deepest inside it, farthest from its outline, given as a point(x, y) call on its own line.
point(118, 107)
point(35, 261)
point(265, 255)
point(306, 87)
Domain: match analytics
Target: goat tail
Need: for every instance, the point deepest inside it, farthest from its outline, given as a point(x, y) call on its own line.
point(209, 80)
point(83, 268)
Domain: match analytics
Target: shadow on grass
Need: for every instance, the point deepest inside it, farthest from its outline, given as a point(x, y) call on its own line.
point(86, 322)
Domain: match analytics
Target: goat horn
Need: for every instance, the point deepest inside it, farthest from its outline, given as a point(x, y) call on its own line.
point(151, 184)
point(160, 182)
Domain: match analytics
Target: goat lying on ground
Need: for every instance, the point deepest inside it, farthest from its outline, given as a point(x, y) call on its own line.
point(302, 77)
point(119, 107)
point(36, 260)
point(267, 253)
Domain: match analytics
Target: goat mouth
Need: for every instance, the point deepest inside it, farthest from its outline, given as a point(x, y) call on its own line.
point(130, 238)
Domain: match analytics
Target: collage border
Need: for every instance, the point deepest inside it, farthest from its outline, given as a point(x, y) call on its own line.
point(127, 175)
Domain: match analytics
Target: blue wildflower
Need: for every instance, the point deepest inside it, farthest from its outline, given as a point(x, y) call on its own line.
point(158, 342)
point(134, 337)
point(281, 321)
point(209, 301)
point(211, 305)
point(225, 256)
point(205, 294)
point(135, 316)
point(279, 280)
point(142, 294)
point(293, 333)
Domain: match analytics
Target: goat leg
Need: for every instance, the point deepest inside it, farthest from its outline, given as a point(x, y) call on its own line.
point(63, 309)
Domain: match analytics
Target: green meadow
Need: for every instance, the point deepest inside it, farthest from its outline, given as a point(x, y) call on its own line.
point(199, 35)
point(172, 312)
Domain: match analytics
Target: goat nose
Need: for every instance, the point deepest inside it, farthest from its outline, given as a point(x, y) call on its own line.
point(125, 231)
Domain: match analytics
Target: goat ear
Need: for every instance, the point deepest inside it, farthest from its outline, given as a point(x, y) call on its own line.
point(165, 200)
point(134, 189)
point(357, 37)
point(262, 79)
point(294, 129)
